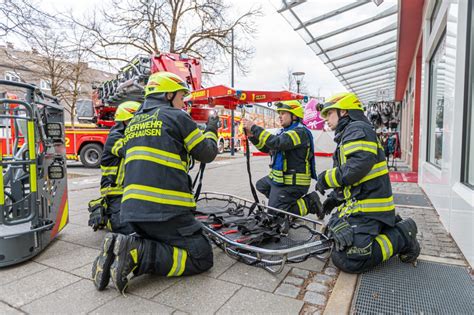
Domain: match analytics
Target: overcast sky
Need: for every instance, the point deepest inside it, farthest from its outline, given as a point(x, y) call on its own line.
point(278, 48)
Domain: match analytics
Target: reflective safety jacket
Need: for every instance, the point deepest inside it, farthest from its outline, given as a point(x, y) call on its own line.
point(112, 162)
point(291, 152)
point(360, 173)
point(159, 143)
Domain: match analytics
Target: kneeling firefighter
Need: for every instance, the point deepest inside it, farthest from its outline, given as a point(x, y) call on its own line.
point(105, 211)
point(157, 198)
point(293, 163)
point(365, 229)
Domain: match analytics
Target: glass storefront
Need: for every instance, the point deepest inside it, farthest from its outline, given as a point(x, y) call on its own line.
point(468, 137)
point(437, 85)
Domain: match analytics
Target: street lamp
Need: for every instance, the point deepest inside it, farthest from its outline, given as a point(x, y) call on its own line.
point(298, 77)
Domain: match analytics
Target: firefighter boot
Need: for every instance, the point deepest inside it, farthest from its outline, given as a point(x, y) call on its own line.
point(128, 251)
point(412, 249)
point(314, 204)
point(101, 265)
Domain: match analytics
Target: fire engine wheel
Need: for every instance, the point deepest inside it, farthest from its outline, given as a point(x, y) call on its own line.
point(90, 155)
point(220, 147)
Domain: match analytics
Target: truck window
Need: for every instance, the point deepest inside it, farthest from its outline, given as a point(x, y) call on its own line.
point(84, 109)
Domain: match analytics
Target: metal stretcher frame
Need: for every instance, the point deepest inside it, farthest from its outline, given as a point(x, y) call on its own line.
point(259, 256)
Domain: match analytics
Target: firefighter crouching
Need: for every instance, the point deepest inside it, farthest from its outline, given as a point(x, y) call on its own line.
point(293, 163)
point(157, 198)
point(364, 228)
point(105, 211)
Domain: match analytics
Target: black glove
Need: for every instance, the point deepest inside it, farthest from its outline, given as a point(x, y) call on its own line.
point(97, 220)
point(330, 203)
point(321, 183)
point(212, 123)
point(342, 234)
point(97, 215)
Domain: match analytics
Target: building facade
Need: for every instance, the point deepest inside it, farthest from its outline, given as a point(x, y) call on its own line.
point(263, 116)
point(52, 76)
point(437, 97)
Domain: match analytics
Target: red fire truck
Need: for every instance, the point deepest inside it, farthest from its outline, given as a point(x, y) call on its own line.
point(224, 134)
point(85, 142)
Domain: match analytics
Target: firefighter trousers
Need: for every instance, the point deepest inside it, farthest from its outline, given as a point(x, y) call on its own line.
point(174, 248)
point(373, 243)
point(113, 211)
point(285, 197)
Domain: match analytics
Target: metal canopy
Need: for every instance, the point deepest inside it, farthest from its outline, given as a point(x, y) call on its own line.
point(356, 39)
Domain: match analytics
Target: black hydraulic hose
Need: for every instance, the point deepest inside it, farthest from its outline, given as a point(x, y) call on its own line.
point(199, 176)
point(252, 187)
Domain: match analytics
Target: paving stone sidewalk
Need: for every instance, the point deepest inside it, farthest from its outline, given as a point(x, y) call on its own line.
point(58, 280)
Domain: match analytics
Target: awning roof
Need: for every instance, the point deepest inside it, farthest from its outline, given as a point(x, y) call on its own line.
point(357, 40)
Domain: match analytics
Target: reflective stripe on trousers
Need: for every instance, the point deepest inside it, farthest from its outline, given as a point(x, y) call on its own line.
point(179, 262)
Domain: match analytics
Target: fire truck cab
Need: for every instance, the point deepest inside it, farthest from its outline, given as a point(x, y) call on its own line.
point(224, 134)
point(85, 142)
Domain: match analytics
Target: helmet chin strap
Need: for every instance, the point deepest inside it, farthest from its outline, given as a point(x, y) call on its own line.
point(295, 118)
point(338, 113)
point(172, 99)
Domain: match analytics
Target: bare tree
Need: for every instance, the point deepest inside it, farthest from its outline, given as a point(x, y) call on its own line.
point(46, 59)
point(78, 51)
point(199, 28)
point(58, 59)
point(19, 16)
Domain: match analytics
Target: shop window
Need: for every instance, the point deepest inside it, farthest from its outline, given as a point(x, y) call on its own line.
point(468, 136)
point(469, 143)
point(436, 103)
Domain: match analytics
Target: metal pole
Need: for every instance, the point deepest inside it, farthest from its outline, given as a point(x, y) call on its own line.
point(232, 118)
point(298, 86)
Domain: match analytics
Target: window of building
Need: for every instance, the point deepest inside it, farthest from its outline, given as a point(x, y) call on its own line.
point(12, 76)
point(45, 85)
point(436, 103)
point(468, 136)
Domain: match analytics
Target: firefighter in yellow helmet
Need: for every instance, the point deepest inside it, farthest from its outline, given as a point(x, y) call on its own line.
point(293, 164)
point(105, 211)
point(157, 197)
point(364, 228)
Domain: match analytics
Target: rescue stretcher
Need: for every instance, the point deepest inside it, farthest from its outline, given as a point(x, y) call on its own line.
point(254, 234)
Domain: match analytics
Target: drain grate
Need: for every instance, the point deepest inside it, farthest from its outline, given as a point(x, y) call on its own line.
point(418, 200)
point(430, 288)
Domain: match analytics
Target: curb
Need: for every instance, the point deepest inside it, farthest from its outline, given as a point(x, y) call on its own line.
point(340, 300)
